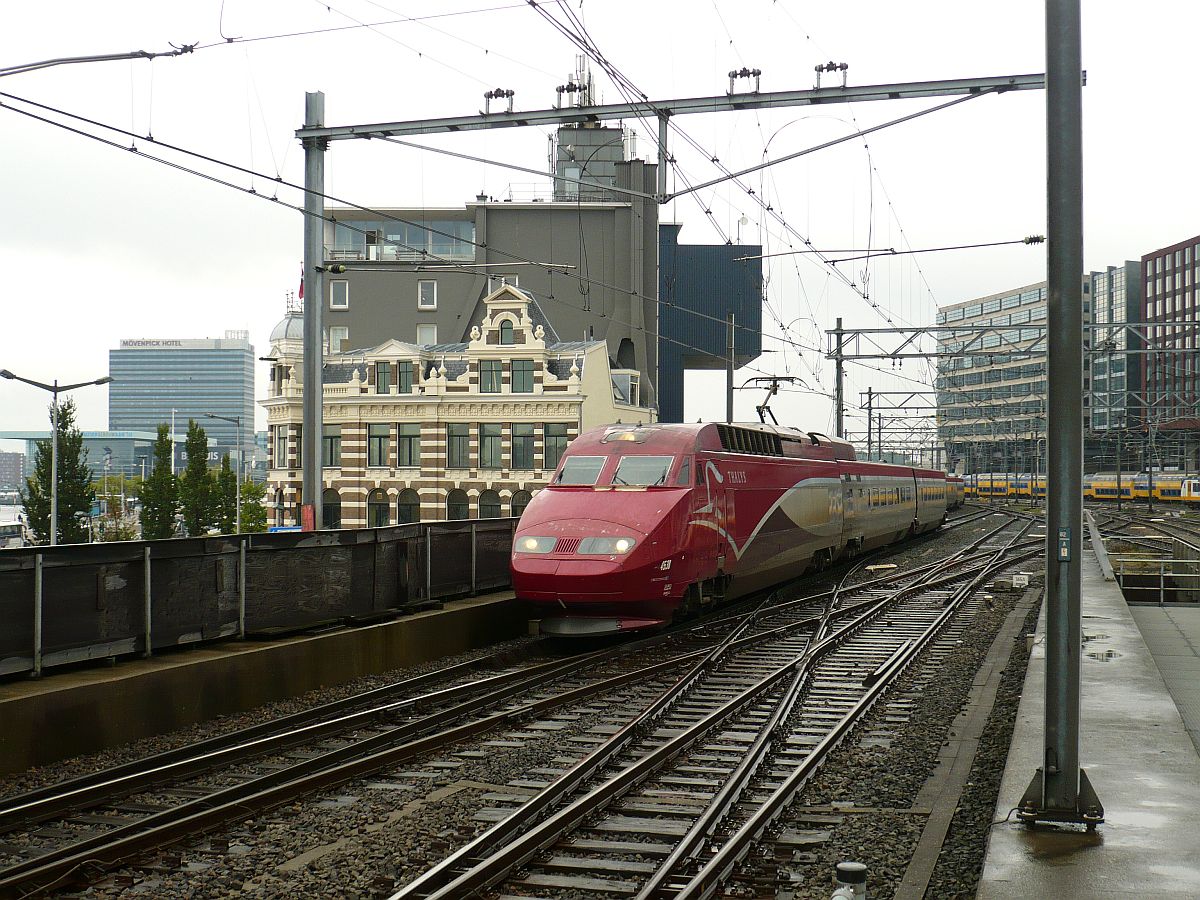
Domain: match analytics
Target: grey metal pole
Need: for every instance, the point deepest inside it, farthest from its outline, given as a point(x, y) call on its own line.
point(1059, 791)
point(237, 527)
point(242, 588)
point(146, 611)
point(37, 615)
point(663, 157)
point(870, 399)
point(314, 264)
point(837, 387)
point(1150, 472)
point(54, 466)
point(474, 552)
point(428, 563)
point(1119, 453)
point(730, 325)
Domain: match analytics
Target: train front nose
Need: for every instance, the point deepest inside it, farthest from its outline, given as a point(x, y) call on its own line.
point(584, 560)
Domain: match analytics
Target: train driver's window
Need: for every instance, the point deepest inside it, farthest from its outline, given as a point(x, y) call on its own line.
point(642, 470)
point(581, 469)
point(685, 471)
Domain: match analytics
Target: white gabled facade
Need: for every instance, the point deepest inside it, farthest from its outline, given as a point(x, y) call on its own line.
point(467, 430)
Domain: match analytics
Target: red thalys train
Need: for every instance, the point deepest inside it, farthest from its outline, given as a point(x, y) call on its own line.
point(641, 524)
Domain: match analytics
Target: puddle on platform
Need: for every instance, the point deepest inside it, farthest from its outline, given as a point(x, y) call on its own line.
point(1103, 655)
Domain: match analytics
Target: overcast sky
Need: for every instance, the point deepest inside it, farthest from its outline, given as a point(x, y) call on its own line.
point(99, 243)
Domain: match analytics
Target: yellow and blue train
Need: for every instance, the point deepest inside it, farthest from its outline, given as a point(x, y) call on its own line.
point(1169, 487)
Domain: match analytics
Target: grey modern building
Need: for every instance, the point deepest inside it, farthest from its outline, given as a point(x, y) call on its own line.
point(591, 254)
point(991, 385)
point(12, 470)
point(155, 378)
point(420, 275)
point(1117, 366)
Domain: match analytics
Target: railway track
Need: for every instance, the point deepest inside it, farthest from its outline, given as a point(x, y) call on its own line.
point(99, 821)
point(670, 803)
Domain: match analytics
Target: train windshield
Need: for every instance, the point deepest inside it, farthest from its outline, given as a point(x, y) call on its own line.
point(581, 469)
point(643, 470)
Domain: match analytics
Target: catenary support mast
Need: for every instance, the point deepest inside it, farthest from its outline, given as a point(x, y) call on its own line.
point(1060, 791)
point(314, 351)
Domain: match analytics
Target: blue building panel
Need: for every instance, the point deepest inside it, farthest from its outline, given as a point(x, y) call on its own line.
point(699, 284)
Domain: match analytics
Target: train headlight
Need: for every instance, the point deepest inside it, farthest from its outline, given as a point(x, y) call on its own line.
point(535, 544)
point(606, 546)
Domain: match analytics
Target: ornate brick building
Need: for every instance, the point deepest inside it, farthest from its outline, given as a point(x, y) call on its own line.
point(443, 431)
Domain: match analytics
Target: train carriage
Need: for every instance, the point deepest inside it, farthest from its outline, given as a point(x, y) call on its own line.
point(955, 491)
point(1189, 491)
point(994, 485)
point(642, 523)
point(1168, 486)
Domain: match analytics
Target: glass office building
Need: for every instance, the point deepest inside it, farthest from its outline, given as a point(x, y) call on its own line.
point(991, 384)
point(192, 377)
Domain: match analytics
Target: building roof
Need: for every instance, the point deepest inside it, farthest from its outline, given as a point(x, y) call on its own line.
point(290, 328)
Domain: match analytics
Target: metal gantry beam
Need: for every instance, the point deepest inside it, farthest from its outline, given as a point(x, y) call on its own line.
point(1011, 340)
point(664, 109)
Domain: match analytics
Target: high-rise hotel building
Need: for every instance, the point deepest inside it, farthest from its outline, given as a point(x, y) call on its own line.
point(152, 377)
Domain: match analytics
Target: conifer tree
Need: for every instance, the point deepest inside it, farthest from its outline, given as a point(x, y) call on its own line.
point(160, 493)
point(196, 487)
point(225, 505)
point(75, 494)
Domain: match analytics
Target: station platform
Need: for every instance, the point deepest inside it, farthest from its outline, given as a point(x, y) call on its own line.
point(1136, 748)
point(85, 710)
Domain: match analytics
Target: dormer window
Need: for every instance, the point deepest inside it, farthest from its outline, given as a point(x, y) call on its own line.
point(506, 332)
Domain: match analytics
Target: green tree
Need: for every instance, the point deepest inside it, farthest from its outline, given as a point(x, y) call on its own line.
point(160, 493)
point(254, 512)
point(75, 494)
point(196, 487)
point(225, 496)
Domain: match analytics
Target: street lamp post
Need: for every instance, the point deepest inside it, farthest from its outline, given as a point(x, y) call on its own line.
point(55, 389)
point(236, 420)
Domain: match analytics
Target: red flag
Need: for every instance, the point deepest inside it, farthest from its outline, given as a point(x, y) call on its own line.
point(301, 281)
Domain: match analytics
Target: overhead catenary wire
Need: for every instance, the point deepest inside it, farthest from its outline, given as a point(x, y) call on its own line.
point(892, 251)
point(426, 257)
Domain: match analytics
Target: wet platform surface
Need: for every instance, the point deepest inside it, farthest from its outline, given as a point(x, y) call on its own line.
point(1173, 635)
point(1137, 752)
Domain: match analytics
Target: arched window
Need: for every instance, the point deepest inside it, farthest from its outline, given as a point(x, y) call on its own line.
point(377, 509)
point(331, 508)
point(520, 500)
point(280, 509)
point(506, 332)
point(489, 505)
point(457, 505)
point(408, 507)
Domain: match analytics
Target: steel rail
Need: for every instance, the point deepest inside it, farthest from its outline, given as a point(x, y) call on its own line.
point(273, 789)
point(232, 803)
point(718, 868)
point(736, 783)
point(491, 856)
point(278, 734)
